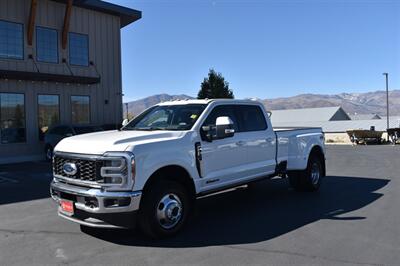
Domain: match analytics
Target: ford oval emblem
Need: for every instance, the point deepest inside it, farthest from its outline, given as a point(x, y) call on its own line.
point(70, 168)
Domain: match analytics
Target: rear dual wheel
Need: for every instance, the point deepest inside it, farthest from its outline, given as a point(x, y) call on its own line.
point(309, 179)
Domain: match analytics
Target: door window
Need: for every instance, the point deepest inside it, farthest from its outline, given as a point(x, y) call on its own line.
point(222, 110)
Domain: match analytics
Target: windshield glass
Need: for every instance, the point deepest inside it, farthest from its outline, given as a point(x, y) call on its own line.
point(168, 117)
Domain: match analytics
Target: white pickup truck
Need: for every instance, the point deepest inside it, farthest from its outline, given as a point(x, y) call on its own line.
point(150, 172)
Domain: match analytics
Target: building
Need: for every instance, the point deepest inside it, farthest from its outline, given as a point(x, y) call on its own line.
point(334, 121)
point(365, 116)
point(60, 62)
point(335, 113)
point(343, 126)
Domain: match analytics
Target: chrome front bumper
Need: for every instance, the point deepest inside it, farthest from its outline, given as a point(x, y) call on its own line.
point(95, 207)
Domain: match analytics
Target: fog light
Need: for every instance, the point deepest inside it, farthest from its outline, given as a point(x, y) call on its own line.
point(120, 202)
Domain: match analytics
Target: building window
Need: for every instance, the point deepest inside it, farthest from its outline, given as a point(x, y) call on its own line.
point(46, 45)
point(48, 113)
point(11, 40)
point(80, 106)
point(12, 118)
point(78, 49)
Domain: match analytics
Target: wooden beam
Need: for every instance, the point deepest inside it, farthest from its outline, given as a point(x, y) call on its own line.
point(35, 76)
point(31, 24)
point(67, 18)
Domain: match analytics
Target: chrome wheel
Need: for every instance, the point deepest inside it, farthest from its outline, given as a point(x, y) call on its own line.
point(169, 211)
point(315, 173)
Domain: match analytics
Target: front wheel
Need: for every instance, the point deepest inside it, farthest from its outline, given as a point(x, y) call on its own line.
point(164, 210)
point(309, 179)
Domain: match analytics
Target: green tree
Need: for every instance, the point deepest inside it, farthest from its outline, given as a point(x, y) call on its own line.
point(214, 87)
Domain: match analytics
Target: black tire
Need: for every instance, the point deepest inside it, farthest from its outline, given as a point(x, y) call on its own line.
point(309, 179)
point(173, 193)
point(48, 152)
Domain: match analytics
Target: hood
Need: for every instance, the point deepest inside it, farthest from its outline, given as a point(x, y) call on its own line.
point(101, 142)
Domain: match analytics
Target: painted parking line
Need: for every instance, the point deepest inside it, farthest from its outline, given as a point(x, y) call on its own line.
point(7, 180)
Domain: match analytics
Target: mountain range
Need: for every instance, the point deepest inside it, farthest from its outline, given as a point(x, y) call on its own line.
point(352, 103)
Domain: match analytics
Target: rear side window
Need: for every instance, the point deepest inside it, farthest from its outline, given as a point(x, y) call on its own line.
point(251, 118)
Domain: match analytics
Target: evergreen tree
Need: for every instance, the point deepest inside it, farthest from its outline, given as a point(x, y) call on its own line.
point(214, 87)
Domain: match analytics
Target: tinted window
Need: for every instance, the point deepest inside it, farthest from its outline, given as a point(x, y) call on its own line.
point(222, 110)
point(251, 118)
point(78, 49)
point(46, 45)
point(12, 118)
point(80, 106)
point(48, 113)
point(11, 40)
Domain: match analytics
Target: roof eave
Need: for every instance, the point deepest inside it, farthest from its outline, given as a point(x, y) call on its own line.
point(127, 15)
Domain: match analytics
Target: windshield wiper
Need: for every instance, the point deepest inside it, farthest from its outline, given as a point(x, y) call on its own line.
point(145, 128)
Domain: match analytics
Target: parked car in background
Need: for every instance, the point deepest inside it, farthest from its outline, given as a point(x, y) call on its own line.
point(55, 134)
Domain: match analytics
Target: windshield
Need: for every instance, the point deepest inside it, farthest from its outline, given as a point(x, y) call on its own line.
point(168, 117)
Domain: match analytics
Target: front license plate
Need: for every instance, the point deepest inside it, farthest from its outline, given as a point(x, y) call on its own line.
point(67, 207)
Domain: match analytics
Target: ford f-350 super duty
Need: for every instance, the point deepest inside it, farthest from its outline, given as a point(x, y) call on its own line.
point(150, 172)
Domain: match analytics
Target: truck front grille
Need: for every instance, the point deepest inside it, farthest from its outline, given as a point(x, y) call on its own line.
point(87, 169)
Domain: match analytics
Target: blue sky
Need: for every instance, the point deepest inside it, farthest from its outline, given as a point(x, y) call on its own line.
point(264, 49)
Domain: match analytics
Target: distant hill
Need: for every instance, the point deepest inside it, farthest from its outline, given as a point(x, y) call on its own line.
point(360, 103)
point(352, 103)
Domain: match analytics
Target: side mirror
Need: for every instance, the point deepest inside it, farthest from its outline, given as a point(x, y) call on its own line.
point(269, 113)
point(224, 127)
point(125, 122)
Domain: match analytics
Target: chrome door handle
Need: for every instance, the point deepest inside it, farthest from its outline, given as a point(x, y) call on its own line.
point(240, 143)
point(270, 139)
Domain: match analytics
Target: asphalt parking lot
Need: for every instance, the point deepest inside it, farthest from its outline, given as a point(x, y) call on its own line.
point(353, 220)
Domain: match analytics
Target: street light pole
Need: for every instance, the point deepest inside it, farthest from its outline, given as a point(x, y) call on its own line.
point(127, 113)
point(387, 102)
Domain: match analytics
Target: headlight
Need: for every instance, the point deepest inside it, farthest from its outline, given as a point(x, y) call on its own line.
point(133, 169)
point(118, 168)
point(114, 170)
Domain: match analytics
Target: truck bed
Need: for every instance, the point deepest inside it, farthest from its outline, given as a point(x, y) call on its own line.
point(294, 145)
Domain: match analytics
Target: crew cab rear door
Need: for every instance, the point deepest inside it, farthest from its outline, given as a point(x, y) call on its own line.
point(259, 140)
